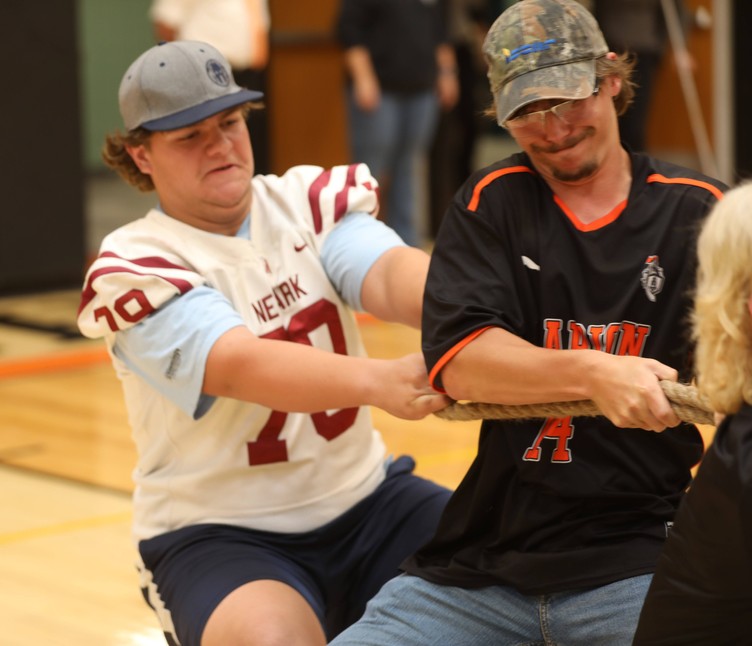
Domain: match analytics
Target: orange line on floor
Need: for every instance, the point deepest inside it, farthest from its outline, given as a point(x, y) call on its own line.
point(365, 317)
point(52, 363)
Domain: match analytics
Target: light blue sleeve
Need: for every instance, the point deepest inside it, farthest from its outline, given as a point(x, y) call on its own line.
point(168, 349)
point(350, 250)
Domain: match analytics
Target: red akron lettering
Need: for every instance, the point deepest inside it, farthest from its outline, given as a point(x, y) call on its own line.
point(624, 339)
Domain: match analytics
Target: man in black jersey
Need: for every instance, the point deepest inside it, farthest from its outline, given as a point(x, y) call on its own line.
point(701, 592)
point(561, 273)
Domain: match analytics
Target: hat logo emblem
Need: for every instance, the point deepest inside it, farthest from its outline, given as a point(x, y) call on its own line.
point(217, 72)
point(529, 48)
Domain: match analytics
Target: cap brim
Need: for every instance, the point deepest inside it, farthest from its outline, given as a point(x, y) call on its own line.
point(568, 81)
point(202, 111)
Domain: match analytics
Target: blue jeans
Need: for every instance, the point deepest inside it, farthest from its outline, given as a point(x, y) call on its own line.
point(410, 611)
point(391, 140)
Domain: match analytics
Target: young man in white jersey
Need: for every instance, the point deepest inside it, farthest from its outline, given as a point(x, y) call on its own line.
point(265, 508)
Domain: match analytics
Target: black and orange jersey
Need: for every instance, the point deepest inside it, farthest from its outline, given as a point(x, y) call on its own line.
point(557, 504)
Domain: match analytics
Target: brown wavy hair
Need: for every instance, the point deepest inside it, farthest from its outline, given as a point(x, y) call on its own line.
point(116, 156)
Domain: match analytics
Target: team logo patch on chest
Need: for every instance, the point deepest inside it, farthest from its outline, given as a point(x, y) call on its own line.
point(652, 278)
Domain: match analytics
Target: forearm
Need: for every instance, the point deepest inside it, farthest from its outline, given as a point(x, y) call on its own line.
point(163, 32)
point(358, 63)
point(446, 60)
point(447, 83)
point(259, 30)
point(366, 87)
point(287, 376)
point(499, 367)
point(295, 377)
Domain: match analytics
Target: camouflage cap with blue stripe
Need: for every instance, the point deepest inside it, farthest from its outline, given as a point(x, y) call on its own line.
point(542, 49)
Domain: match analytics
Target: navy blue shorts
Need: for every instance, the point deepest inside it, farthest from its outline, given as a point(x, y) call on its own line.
point(337, 568)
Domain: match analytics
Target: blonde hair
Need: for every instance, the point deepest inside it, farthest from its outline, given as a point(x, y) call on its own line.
point(722, 325)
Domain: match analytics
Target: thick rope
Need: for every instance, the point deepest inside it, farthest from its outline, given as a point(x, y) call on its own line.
point(684, 399)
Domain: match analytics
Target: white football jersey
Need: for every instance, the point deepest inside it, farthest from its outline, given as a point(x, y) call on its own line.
point(241, 463)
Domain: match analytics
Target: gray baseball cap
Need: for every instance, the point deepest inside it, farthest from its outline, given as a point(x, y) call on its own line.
point(176, 84)
point(542, 49)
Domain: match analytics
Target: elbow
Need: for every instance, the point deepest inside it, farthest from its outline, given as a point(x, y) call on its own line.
point(455, 384)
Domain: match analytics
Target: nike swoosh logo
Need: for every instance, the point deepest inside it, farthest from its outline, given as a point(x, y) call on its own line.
point(300, 247)
point(530, 264)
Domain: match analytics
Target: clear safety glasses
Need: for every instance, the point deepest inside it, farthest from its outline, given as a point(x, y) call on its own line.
point(570, 112)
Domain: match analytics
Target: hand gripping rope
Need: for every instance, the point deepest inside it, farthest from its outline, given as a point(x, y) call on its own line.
point(684, 399)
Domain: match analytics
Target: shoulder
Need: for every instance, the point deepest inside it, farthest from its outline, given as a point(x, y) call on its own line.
point(497, 178)
point(321, 196)
point(506, 182)
point(664, 175)
point(308, 177)
point(137, 270)
point(156, 231)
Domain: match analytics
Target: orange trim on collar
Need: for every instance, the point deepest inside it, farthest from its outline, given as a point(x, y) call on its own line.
point(601, 222)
